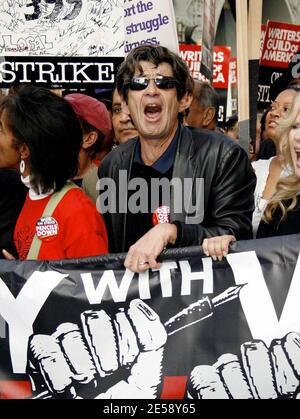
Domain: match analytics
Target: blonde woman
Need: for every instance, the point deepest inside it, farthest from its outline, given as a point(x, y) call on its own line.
point(282, 212)
point(268, 172)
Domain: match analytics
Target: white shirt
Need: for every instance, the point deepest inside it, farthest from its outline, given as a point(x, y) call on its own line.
point(262, 168)
point(32, 194)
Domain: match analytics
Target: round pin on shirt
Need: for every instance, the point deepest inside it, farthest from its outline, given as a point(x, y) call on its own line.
point(161, 215)
point(46, 229)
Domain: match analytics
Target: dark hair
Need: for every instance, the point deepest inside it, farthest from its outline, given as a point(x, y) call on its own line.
point(155, 55)
point(206, 95)
point(263, 122)
point(231, 122)
point(49, 127)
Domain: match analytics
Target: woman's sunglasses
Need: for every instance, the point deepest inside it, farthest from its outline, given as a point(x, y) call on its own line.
point(162, 82)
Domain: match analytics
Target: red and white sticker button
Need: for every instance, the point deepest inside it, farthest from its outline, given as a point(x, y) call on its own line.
point(46, 228)
point(161, 215)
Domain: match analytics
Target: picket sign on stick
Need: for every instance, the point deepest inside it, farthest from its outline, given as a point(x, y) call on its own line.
point(243, 72)
point(254, 41)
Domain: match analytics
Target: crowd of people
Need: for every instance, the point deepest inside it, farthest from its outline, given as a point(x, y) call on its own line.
point(56, 152)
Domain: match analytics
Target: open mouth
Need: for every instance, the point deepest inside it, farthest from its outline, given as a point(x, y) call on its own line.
point(297, 152)
point(152, 111)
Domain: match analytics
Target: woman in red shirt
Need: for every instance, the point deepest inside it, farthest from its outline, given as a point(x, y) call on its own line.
point(40, 133)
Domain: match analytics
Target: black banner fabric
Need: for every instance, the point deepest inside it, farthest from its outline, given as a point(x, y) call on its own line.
point(267, 91)
point(194, 328)
point(59, 72)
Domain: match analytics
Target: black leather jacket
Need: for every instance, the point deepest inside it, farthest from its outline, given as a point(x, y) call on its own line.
point(229, 183)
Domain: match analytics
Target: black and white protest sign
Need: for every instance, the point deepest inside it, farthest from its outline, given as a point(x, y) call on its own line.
point(89, 329)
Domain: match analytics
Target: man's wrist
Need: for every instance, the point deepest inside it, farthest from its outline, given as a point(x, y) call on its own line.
point(172, 234)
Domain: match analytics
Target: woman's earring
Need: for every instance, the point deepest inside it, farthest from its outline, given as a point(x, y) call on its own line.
point(22, 167)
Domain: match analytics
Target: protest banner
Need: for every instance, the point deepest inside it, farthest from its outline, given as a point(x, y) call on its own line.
point(87, 328)
point(189, 20)
point(221, 79)
point(192, 55)
point(59, 72)
point(91, 31)
point(243, 71)
point(254, 52)
point(232, 87)
point(221, 67)
point(262, 37)
point(281, 44)
point(150, 22)
point(208, 38)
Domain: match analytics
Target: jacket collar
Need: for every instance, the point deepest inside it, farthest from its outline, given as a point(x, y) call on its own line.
point(185, 152)
point(184, 168)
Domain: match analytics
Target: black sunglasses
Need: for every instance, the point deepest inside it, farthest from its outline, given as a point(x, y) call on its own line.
point(162, 82)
